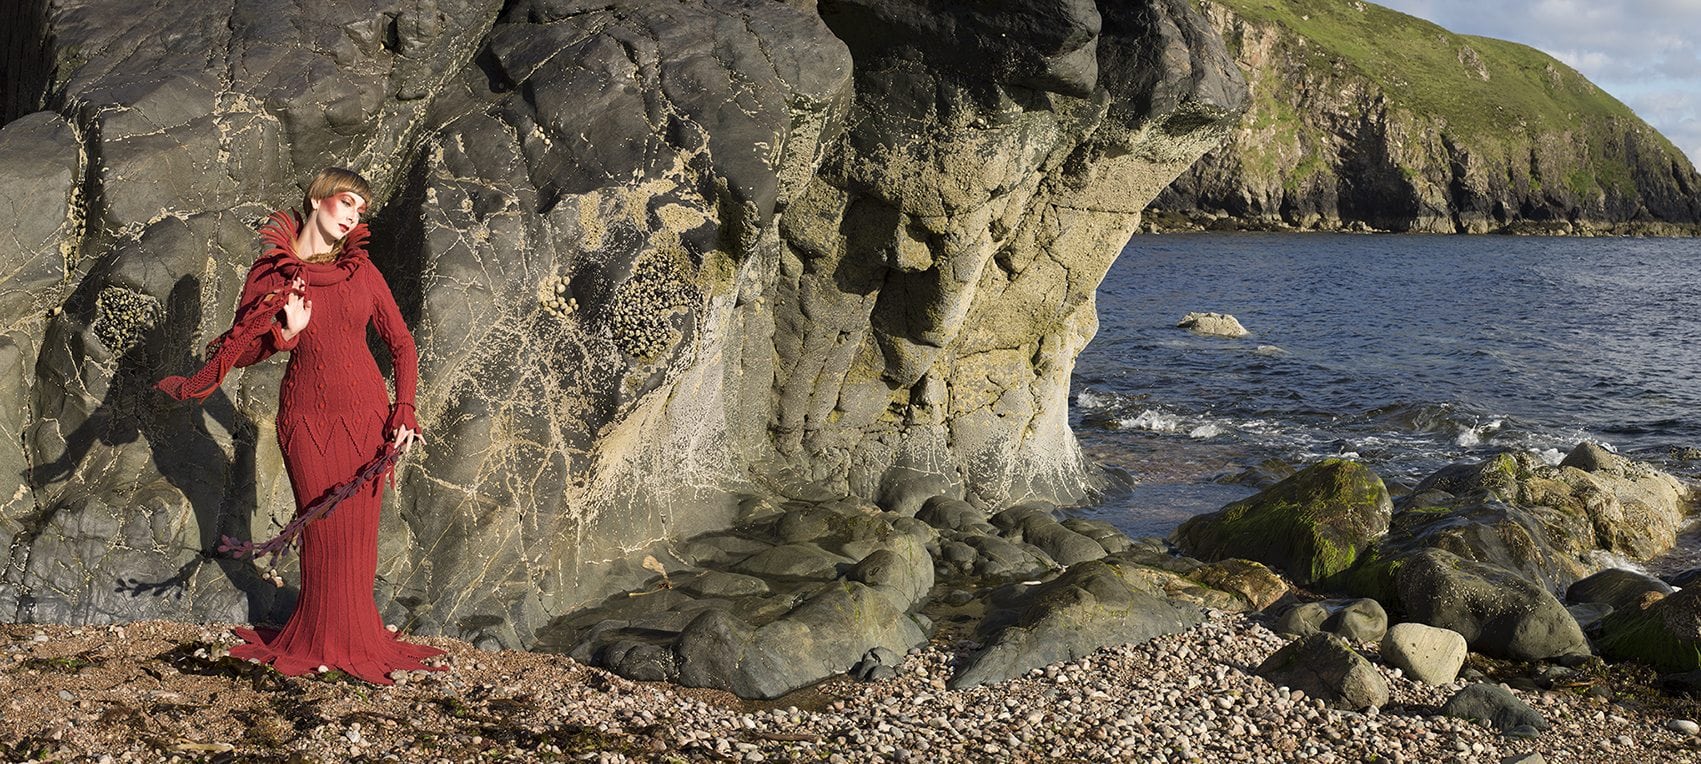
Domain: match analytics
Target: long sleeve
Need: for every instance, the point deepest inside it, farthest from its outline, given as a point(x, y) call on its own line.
point(253, 336)
point(262, 281)
point(404, 356)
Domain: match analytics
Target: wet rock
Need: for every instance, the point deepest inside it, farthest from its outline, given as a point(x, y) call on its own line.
point(716, 583)
point(1589, 615)
point(1493, 705)
point(1324, 667)
point(795, 560)
point(1214, 324)
point(1426, 653)
point(1310, 526)
point(1111, 539)
point(946, 513)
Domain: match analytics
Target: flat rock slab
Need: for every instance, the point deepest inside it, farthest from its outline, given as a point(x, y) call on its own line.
point(1493, 705)
point(1092, 605)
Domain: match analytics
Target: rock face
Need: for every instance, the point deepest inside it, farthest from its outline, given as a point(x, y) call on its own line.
point(1365, 118)
point(660, 258)
point(1310, 526)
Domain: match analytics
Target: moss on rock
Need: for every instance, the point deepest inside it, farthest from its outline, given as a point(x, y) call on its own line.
point(1311, 526)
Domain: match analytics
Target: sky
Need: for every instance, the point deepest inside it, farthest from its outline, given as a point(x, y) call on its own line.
point(1644, 52)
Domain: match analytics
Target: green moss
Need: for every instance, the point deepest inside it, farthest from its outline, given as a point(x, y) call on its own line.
point(1423, 69)
point(1306, 525)
point(1642, 636)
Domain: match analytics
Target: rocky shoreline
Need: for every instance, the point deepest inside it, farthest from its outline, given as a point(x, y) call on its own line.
point(152, 691)
point(1425, 625)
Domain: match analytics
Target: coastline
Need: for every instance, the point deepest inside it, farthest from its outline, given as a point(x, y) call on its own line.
point(142, 692)
point(1166, 222)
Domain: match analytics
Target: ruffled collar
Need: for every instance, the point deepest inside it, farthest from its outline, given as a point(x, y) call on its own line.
point(280, 231)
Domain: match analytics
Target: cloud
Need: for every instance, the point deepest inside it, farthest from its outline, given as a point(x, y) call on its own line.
point(1641, 51)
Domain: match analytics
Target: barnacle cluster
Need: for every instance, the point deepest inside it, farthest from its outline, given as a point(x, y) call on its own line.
point(552, 295)
point(640, 311)
point(122, 316)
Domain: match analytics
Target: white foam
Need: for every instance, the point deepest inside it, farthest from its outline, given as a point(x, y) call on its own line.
point(1602, 560)
point(1151, 419)
point(1205, 431)
point(1088, 399)
point(1270, 350)
point(1474, 436)
point(1551, 457)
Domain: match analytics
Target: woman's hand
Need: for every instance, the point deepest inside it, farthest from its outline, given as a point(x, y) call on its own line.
point(297, 312)
point(406, 437)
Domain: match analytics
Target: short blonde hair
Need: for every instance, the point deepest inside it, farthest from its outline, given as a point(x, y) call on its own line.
point(330, 182)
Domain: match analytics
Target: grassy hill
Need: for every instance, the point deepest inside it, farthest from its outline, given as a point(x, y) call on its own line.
point(1364, 115)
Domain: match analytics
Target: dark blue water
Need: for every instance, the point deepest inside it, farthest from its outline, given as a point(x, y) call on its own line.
point(1408, 352)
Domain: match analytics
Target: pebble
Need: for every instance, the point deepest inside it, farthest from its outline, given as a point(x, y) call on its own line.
point(1684, 727)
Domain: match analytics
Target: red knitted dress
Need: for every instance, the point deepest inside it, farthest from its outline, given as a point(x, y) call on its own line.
point(331, 420)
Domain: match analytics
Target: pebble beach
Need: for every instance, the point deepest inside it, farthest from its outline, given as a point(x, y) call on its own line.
point(163, 691)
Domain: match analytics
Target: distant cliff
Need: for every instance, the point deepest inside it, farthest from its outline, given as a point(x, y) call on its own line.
point(1364, 118)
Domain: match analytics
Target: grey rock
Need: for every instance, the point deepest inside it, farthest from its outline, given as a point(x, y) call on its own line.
point(795, 560)
point(1589, 615)
point(1426, 653)
point(1325, 668)
point(1493, 705)
point(1108, 537)
point(717, 583)
point(1684, 727)
point(1064, 546)
point(1358, 620)
point(668, 338)
point(1092, 605)
point(997, 558)
point(1213, 324)
point(1498, 612)
point(946, 513)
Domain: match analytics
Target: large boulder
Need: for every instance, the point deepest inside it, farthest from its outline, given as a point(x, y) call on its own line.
point(1093, 605)
point(1497, 611)
point(1326, 668)
point(1310, 526)
point(1545, 523)
point(1665, 633)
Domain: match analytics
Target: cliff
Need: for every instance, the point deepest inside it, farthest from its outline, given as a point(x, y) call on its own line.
point(665, 262)
point(1365, 118)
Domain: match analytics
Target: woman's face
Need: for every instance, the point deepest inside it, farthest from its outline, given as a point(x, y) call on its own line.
point(337, 214)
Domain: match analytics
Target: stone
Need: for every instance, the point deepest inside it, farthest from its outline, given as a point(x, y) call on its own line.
point(1325, 668)
point(1494, 706)
point(1111, 539)
point(1213, 324)
point(717, 583)
point(1356, 620)
point(1426, 653)
point(1252, 581)
point(795, 560)
point(1062, 545)
point(1617, 588)
point(1310, 526)
point(946, 513)
point(1589, 615)
point(1498, 612)
point(1684, 727)
point(1092, 605)
point(1664, 633)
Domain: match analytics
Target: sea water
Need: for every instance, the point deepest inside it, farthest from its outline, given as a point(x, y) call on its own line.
point(1404, 352)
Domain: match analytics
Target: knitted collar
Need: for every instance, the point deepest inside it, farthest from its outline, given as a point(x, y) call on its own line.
point(280, 231)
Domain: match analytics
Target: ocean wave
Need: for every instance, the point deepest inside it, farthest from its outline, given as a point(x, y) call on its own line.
point(1089, 400)
point(1207, 430)
point(1152, 420)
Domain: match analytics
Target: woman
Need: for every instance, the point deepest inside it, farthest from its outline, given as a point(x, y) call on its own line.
point(313, 293)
